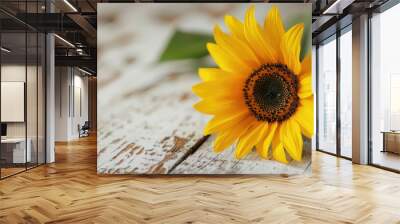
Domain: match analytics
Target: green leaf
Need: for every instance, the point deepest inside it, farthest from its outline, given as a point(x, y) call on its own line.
point(186, 45)
point(304, 18)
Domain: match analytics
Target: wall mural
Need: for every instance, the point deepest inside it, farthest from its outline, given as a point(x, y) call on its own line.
point(204, 88)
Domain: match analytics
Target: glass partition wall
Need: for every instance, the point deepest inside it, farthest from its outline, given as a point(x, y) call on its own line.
point(13, 89)
point(385, 90)
point(334, 104)
point(22, 77)
point(334, 84)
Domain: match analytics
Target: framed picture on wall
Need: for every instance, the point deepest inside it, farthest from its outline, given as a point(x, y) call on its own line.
point(12, 101)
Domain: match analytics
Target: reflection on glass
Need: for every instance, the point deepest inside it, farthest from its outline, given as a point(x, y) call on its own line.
point(346, 94)
point(327, 97)
point(22, 92)
point(13, 86)
point(385, 84)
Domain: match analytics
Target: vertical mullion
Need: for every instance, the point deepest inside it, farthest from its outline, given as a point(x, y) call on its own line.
point(73, 92)
point(338, 74)
point(45, 92)
point(26, 86)
point(369, 87)
point(46, 3)
point(60, 76)
point(37, 90)
point(69, 92)
point(317, 96)
point(0, 96)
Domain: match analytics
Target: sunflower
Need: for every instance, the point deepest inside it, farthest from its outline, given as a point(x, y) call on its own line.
point(260, 95)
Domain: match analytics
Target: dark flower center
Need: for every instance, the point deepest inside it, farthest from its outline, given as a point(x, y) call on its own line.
point(270, 93)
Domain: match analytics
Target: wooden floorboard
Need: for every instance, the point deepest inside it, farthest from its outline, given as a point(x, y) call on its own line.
point(70, 191)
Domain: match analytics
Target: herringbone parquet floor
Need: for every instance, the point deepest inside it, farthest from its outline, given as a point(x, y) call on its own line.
point(70, 191)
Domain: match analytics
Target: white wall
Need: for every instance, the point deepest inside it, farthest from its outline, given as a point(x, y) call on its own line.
point(70, 83)
point(12, 73)
point(62, 81)
point(80, 105)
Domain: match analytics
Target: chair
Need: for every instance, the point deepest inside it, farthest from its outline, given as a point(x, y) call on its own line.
point(84, 130)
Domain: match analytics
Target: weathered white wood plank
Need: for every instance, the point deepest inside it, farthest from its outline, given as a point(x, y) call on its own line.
point(145, 117)
point(205, 161)
point(152, 130)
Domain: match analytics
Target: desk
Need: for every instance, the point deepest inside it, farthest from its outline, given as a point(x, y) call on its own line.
point(391, 141)
point(15, 148)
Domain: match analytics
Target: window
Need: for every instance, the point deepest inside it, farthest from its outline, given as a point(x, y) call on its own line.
point(346, 93)
point(385, 89)
point(327, 97)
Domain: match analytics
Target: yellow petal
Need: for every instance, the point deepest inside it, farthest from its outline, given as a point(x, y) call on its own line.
point(306, 64)
point(227, 137)
point(291, 46)
point(260, 144)
point(305, 88)
point(212, 74)
point(278, 153)
point(256, 38)
point(260, 149)
point(304, 115)
point(267, 141)
point(227, 88)
point(249, 140)
point(235, 27)
point(290, 135)
point(215, 106)
point(226, 62)
point(220, 123)
point(236, 48)
point(274, 29)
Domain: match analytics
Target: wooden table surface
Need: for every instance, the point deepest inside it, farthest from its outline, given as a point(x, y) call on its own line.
point(146, 121)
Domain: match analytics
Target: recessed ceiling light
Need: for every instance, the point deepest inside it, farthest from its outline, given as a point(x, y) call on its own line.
point(332, 7)
point(70, 5)
point(64, 40)
point(5, 50)
point(337, 7)
point(84, 71)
